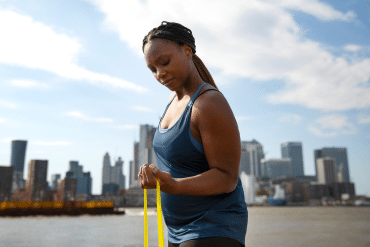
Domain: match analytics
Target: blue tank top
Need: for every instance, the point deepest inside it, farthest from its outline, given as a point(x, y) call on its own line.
point(193, 217)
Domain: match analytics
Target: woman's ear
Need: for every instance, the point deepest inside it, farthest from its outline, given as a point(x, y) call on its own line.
point(188, 51)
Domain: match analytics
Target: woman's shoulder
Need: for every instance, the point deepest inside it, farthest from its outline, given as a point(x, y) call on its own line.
point(209, 96)
point(211, 102)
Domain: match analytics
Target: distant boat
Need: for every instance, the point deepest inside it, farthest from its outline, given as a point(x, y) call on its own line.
point(275, 202)
point(16, 208)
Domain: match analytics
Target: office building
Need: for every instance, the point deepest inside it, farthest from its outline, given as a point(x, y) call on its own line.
point(340, 175)
point(275, 168)
point(84, 180)
point(132, 179)
point(117, 176)
point(134, 167)
point(76, 169)
point(112, 175)
point(54, 181)
point(325, 170)
point(340, 157)
point(6, 180)
point(84, 184)
point(37, 185)
point(106, 169)
point(18, 154)
point(67, 190)
point(251, 156)
point(143, 153)
point(293, 151)
point(145, 149)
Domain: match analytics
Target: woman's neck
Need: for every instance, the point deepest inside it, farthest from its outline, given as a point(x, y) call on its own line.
point(191, 85)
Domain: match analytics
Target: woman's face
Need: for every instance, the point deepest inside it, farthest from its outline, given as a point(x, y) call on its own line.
point(169, 62)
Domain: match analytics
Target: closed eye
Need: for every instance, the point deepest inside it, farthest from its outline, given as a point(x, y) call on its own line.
point(166, 63)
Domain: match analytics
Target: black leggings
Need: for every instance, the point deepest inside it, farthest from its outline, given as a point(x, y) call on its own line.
point(209, 242)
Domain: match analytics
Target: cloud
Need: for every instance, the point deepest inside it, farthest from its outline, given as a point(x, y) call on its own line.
point(10, 139)
point(2, 120)
point(39, 143)
point(82, 116)
point(352, 47)
point(315, 8)
point(127, 127)
point(363, 119)
point(258, 40)
point(28, 43)
point(35, 152)
point(242, 118)
point(28, 84)
point(141, 109)
point(290, 118)
point(332, 126)
point(7, 104)
point(52, 143)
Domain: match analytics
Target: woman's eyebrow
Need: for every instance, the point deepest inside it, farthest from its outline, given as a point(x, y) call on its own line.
point(159, 57)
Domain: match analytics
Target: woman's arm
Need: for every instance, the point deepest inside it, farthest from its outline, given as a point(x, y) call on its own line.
point(220, 137)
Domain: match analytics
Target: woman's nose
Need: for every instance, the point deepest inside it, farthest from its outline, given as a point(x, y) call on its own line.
point(161, 73)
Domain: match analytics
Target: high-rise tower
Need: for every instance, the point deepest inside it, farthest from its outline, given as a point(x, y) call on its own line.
point(6, 178)
point(146, 153)
point(251, 155)
point(36, 180)
point(18, 154)
point(113, 178)
point(293, 150)
point(106, 169)
point(340, 157)
point(117, 176)
point(325, 170)
point(134, 167)
point(84, 180)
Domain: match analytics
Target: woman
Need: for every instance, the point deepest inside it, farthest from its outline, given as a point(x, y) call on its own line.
point(197, 147)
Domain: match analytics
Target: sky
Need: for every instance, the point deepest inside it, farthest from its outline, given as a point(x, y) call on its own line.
point(74, 82)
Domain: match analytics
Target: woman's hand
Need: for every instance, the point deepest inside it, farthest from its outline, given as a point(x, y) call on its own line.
point(148, 175)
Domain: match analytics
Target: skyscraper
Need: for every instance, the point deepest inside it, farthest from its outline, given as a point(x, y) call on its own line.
point(340, 157)
point(132, 179)
point(134, 167)
point(293, 150)
point(84, 184)
point(325, 170)
point(106, 169)
point(117, 176)
point(112, 176)
point(6, 179)
point(17, 159)
point(76, 169)
point(251, 155)
point(143, 152)
point(274, 168)
point(146, 153)
point(36, 180)
point(54, 181)
point(84, 180)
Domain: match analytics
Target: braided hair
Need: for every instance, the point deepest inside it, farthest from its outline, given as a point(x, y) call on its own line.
point(181, 35)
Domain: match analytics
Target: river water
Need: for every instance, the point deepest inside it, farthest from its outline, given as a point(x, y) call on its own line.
point(268, 226)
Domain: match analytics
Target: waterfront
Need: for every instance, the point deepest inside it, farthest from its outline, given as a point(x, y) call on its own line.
point(268, 226)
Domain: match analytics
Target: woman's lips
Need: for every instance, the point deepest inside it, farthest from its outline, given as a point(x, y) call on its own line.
point(168, 81)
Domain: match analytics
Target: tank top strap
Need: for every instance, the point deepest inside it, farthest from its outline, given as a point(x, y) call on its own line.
point(195, 95)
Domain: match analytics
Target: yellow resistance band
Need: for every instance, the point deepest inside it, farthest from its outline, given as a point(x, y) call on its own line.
point(159, 218)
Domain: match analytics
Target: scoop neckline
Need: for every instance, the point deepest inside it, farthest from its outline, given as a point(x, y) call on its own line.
point(161, 130)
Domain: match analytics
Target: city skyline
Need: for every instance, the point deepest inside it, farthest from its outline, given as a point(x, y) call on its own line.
point(74, 82)
point(250, 152)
